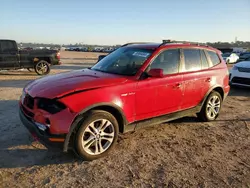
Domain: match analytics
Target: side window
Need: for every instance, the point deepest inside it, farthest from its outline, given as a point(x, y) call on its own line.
point(8, 46)
point(213, 57)
point(204, 61)
point(192, 59)
point(168, 61)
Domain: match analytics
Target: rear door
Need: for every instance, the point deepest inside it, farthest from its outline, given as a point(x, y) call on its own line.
point(192, 78)
point(8, 54)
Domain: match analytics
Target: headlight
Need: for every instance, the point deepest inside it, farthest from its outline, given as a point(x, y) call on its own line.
point(235, 68)
point(50, 105)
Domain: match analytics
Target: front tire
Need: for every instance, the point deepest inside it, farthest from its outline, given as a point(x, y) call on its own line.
point(211, 108)
point(97, 135)
point(42, 67)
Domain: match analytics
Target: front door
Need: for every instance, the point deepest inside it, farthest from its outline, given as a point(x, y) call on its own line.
point(158, 96)
point(8, 55)
point(145, 96)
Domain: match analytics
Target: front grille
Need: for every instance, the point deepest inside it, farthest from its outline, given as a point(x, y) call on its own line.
point(27, 113)
point(29, 101)
point(240, 80)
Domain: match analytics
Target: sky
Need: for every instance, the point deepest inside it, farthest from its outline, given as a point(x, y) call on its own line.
point(117, 22)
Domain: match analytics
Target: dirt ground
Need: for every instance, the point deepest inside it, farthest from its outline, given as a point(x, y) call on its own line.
point(182, 153)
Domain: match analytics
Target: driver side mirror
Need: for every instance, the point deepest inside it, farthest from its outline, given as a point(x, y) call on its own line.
point(101, 57)
point(156, 73)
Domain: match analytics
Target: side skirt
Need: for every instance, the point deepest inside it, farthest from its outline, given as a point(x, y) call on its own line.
point(161, 119)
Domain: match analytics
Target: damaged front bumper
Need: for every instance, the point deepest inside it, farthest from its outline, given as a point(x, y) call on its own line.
point(40, 132)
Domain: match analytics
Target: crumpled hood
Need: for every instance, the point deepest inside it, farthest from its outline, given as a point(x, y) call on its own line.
point(58, 85)
point(244, 64)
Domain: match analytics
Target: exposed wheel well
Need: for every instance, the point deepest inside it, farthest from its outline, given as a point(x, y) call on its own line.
point(45, 59)
point(220, 91)
point(115, 112)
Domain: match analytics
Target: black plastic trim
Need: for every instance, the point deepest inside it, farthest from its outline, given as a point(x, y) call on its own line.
point(164, 118)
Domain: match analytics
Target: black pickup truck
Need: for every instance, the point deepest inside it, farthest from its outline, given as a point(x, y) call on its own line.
point(39, 60)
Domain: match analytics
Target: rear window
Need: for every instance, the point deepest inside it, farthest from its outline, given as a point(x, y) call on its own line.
point(213, 57)
point(7, 46)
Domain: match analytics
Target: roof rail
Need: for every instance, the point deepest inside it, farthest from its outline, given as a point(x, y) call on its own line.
point(180, 42)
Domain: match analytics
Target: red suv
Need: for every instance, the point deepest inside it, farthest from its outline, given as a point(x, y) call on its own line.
point(134, 86)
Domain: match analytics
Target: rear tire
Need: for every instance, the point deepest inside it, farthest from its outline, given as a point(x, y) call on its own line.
point(211, 108)
point(97, 135)
point(42, 67)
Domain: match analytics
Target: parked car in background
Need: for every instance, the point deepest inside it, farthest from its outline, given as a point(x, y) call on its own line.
point(40, 60)
point(135, 86)
point(240, 73)
point(244, 56)
point(230, 57)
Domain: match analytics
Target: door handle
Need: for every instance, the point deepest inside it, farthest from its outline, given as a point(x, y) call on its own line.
point(208, 80)
point(177, 86)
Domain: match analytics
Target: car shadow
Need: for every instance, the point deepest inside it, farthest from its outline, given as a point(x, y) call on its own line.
point(195, 119)
point(18, 148)
point(17, 158)
point(239, 91)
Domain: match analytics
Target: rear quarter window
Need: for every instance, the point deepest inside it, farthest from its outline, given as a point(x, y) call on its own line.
point(213, 57)
point(204, 60)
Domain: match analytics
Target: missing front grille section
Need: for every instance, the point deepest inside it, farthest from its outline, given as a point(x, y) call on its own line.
point(50, 105)
point(29, 101)
point(27, 113)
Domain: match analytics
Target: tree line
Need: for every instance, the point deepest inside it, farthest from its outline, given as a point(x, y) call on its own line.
point(242, 44)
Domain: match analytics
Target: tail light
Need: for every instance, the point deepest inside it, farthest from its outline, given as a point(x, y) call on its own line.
point(58, 55)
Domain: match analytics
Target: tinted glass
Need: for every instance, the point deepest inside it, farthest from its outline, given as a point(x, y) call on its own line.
point(204, 61)
point(214, 57)
point(192, 59)
point(168, 61)
point(8, 46)
point(123, 61)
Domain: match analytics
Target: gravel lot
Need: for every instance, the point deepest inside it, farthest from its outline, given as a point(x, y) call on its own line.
point(182, 153)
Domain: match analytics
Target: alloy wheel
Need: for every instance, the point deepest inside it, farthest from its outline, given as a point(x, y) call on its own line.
point(42, 67)
point(98, 136)
point(213, 107)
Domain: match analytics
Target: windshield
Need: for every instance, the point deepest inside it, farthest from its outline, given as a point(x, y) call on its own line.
point(226, 55)
point(123, 61)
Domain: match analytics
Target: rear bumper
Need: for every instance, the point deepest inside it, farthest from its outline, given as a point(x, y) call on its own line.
point(48, 140)
point(226, 91)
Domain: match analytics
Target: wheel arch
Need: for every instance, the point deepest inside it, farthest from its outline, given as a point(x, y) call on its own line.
point(217, 88)
point(115, 110)
point(37, 59)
